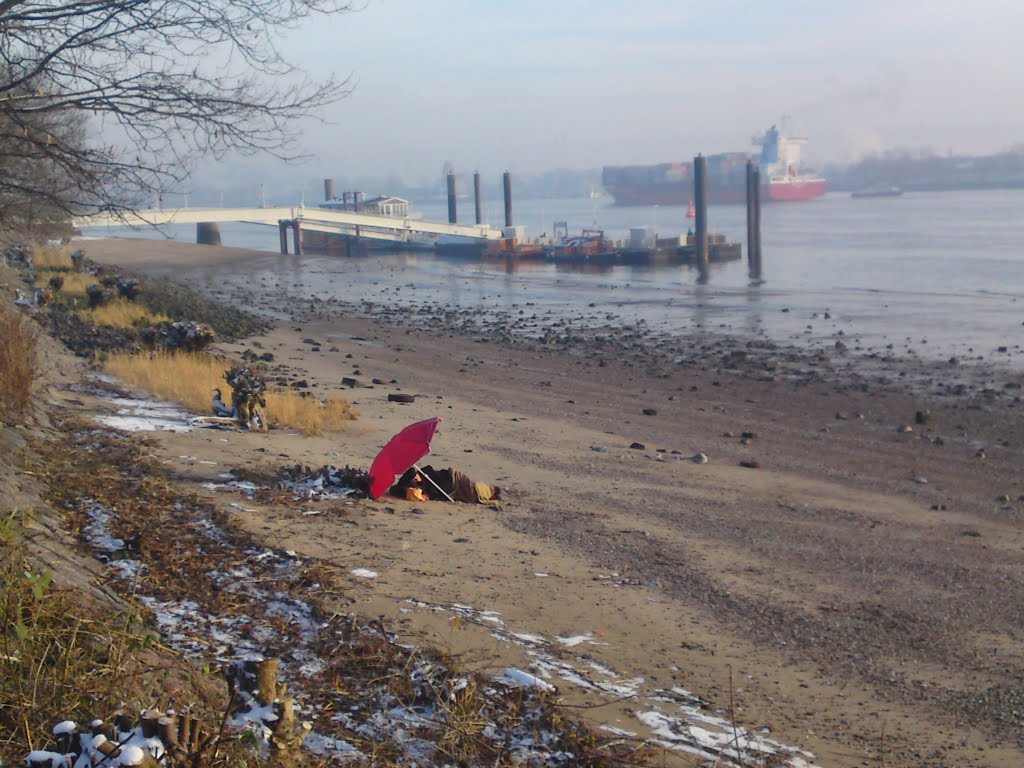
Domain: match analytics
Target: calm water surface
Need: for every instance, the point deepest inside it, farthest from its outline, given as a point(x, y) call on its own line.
point(938, 274)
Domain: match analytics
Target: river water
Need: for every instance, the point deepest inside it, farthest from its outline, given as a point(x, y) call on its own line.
point(936, 274)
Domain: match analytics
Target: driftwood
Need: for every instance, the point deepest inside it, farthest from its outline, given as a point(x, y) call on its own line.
point(255, 684)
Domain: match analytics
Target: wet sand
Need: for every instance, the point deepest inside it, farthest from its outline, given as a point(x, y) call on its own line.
point(857, 589)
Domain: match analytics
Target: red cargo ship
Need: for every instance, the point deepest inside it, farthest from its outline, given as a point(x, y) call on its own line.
point(672, 183)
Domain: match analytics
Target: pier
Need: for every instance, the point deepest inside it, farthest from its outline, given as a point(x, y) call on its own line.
point(312, 219)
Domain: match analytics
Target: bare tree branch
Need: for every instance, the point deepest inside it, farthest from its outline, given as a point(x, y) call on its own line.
point(179, 79)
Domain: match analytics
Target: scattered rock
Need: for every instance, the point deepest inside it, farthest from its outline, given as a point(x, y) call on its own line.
point(923, 417)
point(637, 446)
point(905, 428)
point(400, 398)
point(650, 411)
point(920, 480)
point(699, 458)
point(749, 464)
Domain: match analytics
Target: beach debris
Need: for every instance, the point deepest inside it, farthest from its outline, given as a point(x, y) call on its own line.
point(326, 482)
point(599, 448)
point(920, 480)
point(394, 397)
point(905, 428)
point(650, 411)
point(184, 335)
point(750, 464)
point(248, 395)
point(923, 417)
point(220, 408)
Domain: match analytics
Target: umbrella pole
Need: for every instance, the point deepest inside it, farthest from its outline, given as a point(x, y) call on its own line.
point(431, 481)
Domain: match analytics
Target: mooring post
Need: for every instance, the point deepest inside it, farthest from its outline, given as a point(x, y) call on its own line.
point(700, 189)
point(452, 217)
point(758, 272)
point(208, 233)
point(751, 245)
point(476, 197)
point(328, 189)
point(297, 229)
point(282, 231)
point(506, 182)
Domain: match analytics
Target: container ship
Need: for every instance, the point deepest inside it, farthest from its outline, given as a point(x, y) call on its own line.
point(672, 183)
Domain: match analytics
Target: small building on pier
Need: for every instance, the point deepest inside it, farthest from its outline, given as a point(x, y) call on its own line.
point(382, 205)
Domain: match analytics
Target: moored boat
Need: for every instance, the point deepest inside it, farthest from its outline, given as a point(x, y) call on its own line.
point(591, 246)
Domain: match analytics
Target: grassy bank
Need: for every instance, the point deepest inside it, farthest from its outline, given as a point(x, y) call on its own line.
point(190, 378)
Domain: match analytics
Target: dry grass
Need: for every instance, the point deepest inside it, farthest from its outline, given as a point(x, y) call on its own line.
point(75, 283)
point(190, 378)
point(19, 362)
point(51, 257)
point(121, 313)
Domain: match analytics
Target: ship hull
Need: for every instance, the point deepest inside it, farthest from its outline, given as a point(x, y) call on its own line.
point(680, 193)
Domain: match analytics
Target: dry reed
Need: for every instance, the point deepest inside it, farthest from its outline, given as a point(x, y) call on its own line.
point(19, 362)
point(190, 378)
point(74, 283)
point(121, 313)
point(50, 257)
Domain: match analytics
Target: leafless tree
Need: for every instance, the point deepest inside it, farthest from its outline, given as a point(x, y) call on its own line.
point(104, 103)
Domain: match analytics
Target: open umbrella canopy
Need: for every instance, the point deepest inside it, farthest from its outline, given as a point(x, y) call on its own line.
point(402, 451)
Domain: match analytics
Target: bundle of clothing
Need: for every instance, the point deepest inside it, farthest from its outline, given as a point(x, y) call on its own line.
point(429, 484)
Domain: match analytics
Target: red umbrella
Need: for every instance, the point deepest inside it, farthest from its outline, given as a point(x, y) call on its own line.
point(400, 454)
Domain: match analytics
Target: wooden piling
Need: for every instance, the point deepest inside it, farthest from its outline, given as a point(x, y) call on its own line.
point(758, 271)
point(452, 217)
point(751, 245)
point(297, 229)
point(282, 231)
point(476, 197)
point(506, 181)
point(208, 233)
point(328, 189)
point(700, 197)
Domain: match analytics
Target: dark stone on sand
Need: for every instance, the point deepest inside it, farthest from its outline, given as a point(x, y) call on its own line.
point(378, 381)
point(751, 464)
point(749, 435)
point(300, 384)
point(650, 411)
point(922, 417)
point(267, 357)
point(637, 446)
point(400, 398)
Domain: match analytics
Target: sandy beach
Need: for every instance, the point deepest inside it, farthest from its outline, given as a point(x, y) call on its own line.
point(845, 570)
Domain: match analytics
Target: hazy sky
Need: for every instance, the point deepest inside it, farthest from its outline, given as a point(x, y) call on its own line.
point(529, 85)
